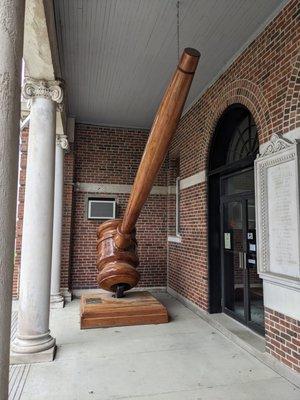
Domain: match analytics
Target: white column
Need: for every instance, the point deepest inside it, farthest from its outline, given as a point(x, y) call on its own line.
point(33, 342)
point(56, 299)
point(11, 45)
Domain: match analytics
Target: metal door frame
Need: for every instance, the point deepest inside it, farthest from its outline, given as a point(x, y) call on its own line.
point(242, 198)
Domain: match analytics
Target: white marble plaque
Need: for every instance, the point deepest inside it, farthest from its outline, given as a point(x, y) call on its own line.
point(278, 224)
point(277, 209)
point(283, 218)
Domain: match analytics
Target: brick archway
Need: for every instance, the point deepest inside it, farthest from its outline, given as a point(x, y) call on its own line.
point(246, 93)
point(291, 110)
point(250, 96)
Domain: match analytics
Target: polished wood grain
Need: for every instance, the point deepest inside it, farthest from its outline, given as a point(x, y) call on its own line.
point(137, 308)
point(162, 131)
point(115, 266)
point(116, 245)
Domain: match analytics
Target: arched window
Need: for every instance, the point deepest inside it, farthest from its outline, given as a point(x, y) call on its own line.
point(235, 138)
point(244, 142)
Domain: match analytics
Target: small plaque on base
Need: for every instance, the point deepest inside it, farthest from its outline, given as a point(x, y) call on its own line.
point(102, 310)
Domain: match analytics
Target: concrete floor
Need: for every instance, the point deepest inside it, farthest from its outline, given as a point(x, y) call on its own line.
point(185, 359)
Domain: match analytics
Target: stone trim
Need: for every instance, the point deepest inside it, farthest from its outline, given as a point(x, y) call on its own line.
point(193, 180)
point(114, 188)
point(277, 143)
point(281, 296)
point(172, 189)
point(51, 90)
point(62, 141)
point(174, 239)
point(290, 135)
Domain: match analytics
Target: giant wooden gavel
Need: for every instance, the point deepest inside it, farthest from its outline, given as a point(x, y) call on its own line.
point(116, 244)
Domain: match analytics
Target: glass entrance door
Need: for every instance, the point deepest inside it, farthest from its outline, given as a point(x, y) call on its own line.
point(242, 291)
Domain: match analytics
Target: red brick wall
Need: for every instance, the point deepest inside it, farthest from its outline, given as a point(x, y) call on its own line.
point(187, 269)
point(112, 156)
point(20, 209)
point(283, 338)
point(264, 78)
point(103, 155)
point(67, 239)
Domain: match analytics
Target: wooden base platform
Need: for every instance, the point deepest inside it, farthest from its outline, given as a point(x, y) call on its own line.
point(102, 310)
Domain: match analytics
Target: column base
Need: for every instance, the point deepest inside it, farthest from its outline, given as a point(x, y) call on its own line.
point(67, 294)
point(26, 349)
point(57, 301)
point(31, 358)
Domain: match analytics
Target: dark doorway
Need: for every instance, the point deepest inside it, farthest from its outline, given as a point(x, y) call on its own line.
point(234, 285)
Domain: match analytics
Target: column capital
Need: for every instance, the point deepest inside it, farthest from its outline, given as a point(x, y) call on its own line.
point(52, 90)
point(62, 141)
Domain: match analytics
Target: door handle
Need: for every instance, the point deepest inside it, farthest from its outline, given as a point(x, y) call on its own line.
point(241, 260)
point(245, 260)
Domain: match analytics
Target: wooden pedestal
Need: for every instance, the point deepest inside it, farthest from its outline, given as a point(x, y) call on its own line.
point(137, 308)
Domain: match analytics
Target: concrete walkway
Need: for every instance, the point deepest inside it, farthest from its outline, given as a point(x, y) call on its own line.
point(185, 359)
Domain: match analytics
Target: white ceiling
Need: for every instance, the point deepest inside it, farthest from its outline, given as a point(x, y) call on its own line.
point(117, 56)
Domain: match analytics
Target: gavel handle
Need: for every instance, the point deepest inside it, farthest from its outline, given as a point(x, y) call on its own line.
point(162, 131)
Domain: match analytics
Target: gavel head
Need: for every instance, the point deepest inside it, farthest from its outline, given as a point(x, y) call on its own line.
point(117, 267)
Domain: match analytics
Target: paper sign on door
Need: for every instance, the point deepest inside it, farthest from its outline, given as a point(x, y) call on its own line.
point(227, 241)
point(252, 247)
